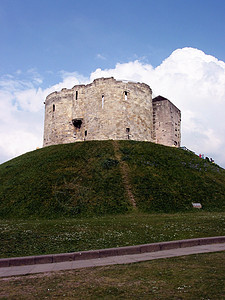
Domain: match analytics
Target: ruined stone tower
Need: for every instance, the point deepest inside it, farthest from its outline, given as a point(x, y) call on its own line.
point(110, 109)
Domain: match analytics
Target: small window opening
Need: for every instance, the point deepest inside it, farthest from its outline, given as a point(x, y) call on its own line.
point(53, 108)
point(103, 99)
point(175, 143)
point(85, 133)
point(76, 95)
point(128, 131)
point(125, 95)
point(77, 123)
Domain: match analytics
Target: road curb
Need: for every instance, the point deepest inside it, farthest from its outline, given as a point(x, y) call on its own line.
point(85, 255)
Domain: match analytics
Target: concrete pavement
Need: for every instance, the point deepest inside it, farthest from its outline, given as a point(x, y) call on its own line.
point(109, 260)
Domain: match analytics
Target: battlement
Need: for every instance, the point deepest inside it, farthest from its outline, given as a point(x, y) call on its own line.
point(101, 110)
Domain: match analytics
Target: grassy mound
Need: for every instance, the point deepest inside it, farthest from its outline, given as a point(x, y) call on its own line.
point(84, 179)
point(166, 179)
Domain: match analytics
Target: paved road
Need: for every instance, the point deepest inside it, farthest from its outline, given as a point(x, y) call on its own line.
point(111, 260)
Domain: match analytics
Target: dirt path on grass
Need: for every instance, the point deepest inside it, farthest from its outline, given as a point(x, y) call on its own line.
point(124, 171)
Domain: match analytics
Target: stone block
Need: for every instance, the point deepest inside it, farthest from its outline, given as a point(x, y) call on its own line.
point(4, 262)
point(189, 243)
point(86, 255)
point(21, 261)
point(108, 252)
point(43, 259)
point(150, 247)
point(212, 240)
point(169, 245)
point(62, 257)
point(128, 250)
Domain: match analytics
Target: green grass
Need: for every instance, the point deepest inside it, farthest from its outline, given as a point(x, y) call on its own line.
point(188, 277)
point(65, 180)
point(166, 179)
point(84, 179)
point(35, 237)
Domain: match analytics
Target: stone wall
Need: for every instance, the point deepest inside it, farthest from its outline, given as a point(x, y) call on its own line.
point(105, 109)
point(166, 122)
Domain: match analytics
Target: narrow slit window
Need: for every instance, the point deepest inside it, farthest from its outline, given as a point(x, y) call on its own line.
point(125, 95)
point(103, 100)
point(128, 133)
point(53, 108)
point(85, 133)
point(76, 95)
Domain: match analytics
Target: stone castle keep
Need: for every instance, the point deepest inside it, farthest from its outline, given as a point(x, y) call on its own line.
point(109, 109)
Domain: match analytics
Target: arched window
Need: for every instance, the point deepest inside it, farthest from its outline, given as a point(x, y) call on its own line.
point(53, 108)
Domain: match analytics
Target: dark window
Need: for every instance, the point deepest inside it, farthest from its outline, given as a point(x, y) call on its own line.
point(125, 94)
point(85, 133)
point(76, 95)
point(128, 131)
point(77, 123)
point(53, 107)
point(103, 98)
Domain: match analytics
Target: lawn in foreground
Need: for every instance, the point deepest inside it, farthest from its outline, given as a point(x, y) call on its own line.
point(198, 276)
point(35, 237)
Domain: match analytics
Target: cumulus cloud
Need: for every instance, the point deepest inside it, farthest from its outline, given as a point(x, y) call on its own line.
point(22, 111)
point(192, 80)
point(195, 83)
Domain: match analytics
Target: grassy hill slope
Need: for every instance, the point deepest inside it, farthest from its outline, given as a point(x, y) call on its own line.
point(85, 178)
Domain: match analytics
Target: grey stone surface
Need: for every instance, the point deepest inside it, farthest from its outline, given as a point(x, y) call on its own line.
point(63, 266)
point(109, 109)
point(112, 260)
point(166, 122)
point(43, 268)
point(109, 252)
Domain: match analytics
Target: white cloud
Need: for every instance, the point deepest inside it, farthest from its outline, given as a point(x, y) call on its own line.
point(37, 79)
point(129, 71)
point(100, 56)
point(192, 80)
point(22, 112)
point(195, 83)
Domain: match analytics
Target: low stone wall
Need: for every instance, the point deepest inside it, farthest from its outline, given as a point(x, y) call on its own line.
point(84, 255)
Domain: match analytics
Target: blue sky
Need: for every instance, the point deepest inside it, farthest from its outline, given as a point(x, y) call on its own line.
point(55, 35)
point(48, 44)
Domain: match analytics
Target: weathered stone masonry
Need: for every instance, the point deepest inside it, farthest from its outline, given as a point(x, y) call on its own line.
point(166, 122)
point(109, 109)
